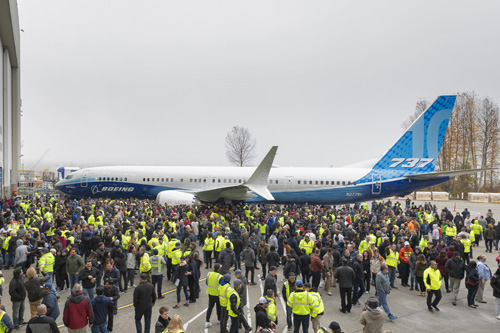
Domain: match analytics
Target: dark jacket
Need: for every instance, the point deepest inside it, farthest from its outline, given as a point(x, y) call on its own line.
point(60, 264)
point(33, 287)
point(50, 301)
point(100, 305)
point(345, 276)
point(238, 246)
point(121, 263)
point(248, 257)
point(290, 267)
point(83, 276)
point(42, 324)
point(144, 296)
point(17, 291)
point(495, 283)
point(112, 292)
point(78, 311)
point(455, 268)
point(226, 258)
point(358, 270)
point(180, 273)
point(270, 283)
point(114, 275)
point(273, 258)
point(261, 318)
point(161, 325)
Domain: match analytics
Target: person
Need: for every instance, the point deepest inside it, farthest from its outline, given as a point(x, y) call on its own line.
point(456, 268)
point(208, 248)
point(495, 284)
point(131, 266)
point(471, 283)
point(33, 288)
point(345, 276)
point(316, 267)
point(144, 300)
point(358, 286)
point(334, 327)
point(329, 270)
point(111, 292)
point(243, 298)
point(489, 237)
point(441, 261)
point(41, 322)
point(50, 301)
point(74, 264)
point(233, 306)
point(262, 321)
point(484, 275)
point(46, 262)
point(226, 258)
point(88, 277)
point(62, 277)
point(270, 281)
point(392, 261)
point(224, 292)
point(181, 280)
point(100, 305)
point(288, 288)
point(371, 318)
point(248, 255)
point(78, 312)
point(319, 309)
point(382, 287)
point(163, 320)
point(111, 273)
point(145, 263)
point(213, 281)
point(17, 292)
point(418, 271)
point(175, 325)
point(157, 264)
point(433, 281)
point(302, 304)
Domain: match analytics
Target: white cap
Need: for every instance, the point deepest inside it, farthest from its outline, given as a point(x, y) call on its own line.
point(407, 243)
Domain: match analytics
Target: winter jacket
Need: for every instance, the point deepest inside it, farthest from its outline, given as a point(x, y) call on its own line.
point(290, 267)
point(345, 276)
point(441, 261)
point(262, 253)
point(21, 250)
point(372, 321)
point(495, 284)
point(489, 234)
point(261, 318)
point(161, 325)
point(180, 273)
point(455, 268)
point(248, 257)
point(316, 264)
point(100, 305)
point(17, 291)
point(74, 264)
point(114, 274)
point(112, 292)
point(273, 258)
point(50, 301)
point(144, 296)
point(42, 324)
point(78, 311)
point(226, 258)
point(382, 284)
point(60, 264)
point(432, 278)
point(83, 276)
point(33, 287)
point(358, 270)
point(270, 283)
point(121, 263)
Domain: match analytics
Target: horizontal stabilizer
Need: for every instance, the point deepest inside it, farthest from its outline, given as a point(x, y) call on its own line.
point(454, 173)
point(261, 190)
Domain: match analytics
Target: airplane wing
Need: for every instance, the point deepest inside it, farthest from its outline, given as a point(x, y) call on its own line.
point(257, 183)
point(451, 174)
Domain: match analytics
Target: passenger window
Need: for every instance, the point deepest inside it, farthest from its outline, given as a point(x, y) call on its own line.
point(120, 178)
point(204, 180)
point(143, 179)
point(354, 183)
point(343, 182)
point(162, 180)
point(218, 180)
point(298, 182)
point(239, 180)
point(316, 182)
point(213, 180)
point(349, 183)
point(171, 180)
point(182, 180)
point(338, 182)
point(225, 180)
point(108, 178)
point(327, 182)
point(276, 181)
point(321, 183)
point(229, 181)
point(195, 180)
point(191, 180)
point(310, 182)
point(125, 178)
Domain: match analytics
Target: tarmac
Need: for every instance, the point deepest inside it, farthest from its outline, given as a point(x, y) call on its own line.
point(410, 309)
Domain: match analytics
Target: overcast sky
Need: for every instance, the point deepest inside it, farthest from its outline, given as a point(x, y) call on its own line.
point(163, 82)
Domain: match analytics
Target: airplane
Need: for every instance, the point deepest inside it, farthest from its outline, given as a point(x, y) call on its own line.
point(406, 167)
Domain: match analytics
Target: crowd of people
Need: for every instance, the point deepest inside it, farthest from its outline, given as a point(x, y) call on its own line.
point(98, 249)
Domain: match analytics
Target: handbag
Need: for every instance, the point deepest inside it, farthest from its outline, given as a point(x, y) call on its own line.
point(471, 282)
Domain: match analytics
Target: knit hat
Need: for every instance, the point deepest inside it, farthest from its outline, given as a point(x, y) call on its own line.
point(237, 283)
point(30, 272)
point(17, 271)
point(226, 278)
point(334, 326)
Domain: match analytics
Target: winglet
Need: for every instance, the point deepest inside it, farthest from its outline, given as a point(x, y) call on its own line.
point(258, 180)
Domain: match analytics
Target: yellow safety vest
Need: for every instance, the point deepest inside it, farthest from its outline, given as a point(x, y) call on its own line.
point(319, 307)
point(308, 246)
point(209, 244)
point(262, 229)
point(161, 250)
point(219, 243)
point(47, 262)
point(467, 243)
point(223, 294)
point(213, 281)
point(451, 231)
point(301, 302)
point(2, 328)
point(176, 257)
point(156, 263)
point(171, 247)
point(472, 236)
point(145, 265)
point(271, 310)
point(392, 259)
point(229, 310)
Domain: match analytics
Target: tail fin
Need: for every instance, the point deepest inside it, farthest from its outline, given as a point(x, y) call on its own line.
point(418, 148)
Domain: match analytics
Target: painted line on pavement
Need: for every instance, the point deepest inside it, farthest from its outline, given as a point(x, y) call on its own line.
point(194, 318)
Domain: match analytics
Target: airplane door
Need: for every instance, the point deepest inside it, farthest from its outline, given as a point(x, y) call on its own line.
point(289, 184)
point(376, 184)
point(84, 179)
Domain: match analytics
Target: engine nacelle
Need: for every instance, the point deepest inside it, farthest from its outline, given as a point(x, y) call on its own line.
point(173, 198)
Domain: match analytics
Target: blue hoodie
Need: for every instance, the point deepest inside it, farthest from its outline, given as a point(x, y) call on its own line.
point(50, 301)
point(100, 305)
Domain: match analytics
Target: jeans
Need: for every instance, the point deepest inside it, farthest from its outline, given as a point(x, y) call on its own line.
point(147, 319)
point(157, 279)
point(436, 300)
point(18, 312)
point(316, 279)
point(392, 274)
point(497, 306)
point(358, 289)
point(412, 277)
point(179, 293)
point(237, 262)
point(89, 292)
point(10, 259)
point(235, 323)
point(489, 245)
point(123, 275)
point(346, 293)
point(471, 294)
point(496, 244)
point(298, 320)
point(130, 276)
point(252, 270)
point(99, 328)
point(289, 316)
point(73, 278)
point(382, 299)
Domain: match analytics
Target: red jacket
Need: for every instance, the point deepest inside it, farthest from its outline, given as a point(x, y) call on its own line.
point(78, 311)
point(316, 264)
point(405, 253)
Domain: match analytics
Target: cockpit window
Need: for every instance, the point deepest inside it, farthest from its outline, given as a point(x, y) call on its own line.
point(69, 177)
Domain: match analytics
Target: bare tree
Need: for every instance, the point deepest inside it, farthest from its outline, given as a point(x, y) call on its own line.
point(240, 147)
point(421, 106)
